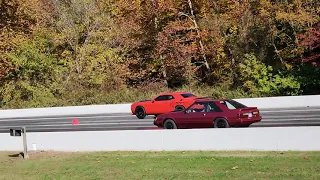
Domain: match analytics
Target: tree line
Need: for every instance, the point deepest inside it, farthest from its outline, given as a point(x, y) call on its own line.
point(76, 52)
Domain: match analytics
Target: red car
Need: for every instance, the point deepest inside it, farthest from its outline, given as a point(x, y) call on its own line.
point(164, 103)
point(209, 113)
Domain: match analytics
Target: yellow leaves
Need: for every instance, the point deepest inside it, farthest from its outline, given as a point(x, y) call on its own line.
point(300, 18)
point(66, 53)
point(264, 12)
point(233, 29)
point(220, 53)
point(288, 66)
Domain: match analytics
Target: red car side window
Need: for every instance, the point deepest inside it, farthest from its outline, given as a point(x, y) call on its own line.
point(164, 98)
point(212, 107)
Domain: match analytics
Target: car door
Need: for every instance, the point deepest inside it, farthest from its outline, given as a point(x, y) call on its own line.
point(213, 111)
point(196, 116)
point(162, 104)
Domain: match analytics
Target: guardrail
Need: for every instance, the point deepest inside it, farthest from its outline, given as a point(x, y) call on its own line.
point(261, 103)
point(237, 139)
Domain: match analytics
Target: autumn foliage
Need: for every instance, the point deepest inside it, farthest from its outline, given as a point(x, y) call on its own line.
point(75, 52)
point(310, 41)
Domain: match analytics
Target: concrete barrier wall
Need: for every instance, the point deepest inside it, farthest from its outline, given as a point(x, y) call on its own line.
point(251, 139)
point(282, 101)
point(67, 110)
point(269, 102)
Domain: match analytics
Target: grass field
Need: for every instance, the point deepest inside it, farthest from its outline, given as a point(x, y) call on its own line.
point(162, 165)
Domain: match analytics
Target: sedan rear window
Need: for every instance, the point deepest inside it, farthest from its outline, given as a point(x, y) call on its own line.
point(187, 95)
point(232, 104)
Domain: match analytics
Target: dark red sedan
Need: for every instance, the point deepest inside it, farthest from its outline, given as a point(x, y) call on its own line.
point(209, 113)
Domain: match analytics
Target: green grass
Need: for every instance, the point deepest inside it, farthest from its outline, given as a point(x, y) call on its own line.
point(162, 165)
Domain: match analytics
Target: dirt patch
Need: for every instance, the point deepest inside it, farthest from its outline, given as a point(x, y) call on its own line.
point(50, 154)
point(191, 153)
point(37, 154)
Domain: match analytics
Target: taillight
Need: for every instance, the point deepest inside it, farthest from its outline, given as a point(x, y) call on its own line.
point(243, 115)
point(249, 114)
point(255, 112)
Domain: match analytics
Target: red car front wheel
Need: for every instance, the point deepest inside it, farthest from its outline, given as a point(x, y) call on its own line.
point(140, 113)
point(169, 124)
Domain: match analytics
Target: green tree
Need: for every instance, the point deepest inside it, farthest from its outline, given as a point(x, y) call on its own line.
point(258, 78)
point(34, 81)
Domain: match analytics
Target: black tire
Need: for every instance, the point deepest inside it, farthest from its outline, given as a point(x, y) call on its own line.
point(140, 112)
point(169, 124)
point(179, 108)
point(245, 125)
point(221, 123)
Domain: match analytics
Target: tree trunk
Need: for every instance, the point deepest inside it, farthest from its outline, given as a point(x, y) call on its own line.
point(198, 33)
point(155, 4)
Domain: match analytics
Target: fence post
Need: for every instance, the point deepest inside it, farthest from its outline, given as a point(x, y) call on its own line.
point(25, 147)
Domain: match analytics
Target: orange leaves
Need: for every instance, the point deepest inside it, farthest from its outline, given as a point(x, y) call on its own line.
point(310, 43)
point(16, 21)
point(14, 17)
point(177, 42)
point(4, 68)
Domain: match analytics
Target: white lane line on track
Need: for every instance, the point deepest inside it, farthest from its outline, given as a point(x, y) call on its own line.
point(83, 124)
point(61, 117)
point(285, 124)
point(297, 116)
point(85, 121)
point(291, 110)
point(97, 127)
point(288, 120)
point(67, 117)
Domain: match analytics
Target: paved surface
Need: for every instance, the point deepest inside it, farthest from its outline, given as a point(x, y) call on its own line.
point(125, 121)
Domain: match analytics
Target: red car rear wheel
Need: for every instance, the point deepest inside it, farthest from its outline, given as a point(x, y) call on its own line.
point(221, 123)
point(179, 108)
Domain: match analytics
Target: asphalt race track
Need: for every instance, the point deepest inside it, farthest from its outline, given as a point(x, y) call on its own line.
point(104, 122)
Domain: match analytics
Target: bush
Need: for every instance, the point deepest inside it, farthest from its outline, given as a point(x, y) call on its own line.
point(257, 78)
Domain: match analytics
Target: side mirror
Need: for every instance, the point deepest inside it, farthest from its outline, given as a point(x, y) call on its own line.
point(152, 101)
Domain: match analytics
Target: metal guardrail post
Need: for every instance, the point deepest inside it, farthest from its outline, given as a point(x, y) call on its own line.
point(17, 133)
point(25, 147)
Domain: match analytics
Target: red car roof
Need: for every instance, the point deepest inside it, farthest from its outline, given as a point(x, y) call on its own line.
point(206, 99)
point(175, 93)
